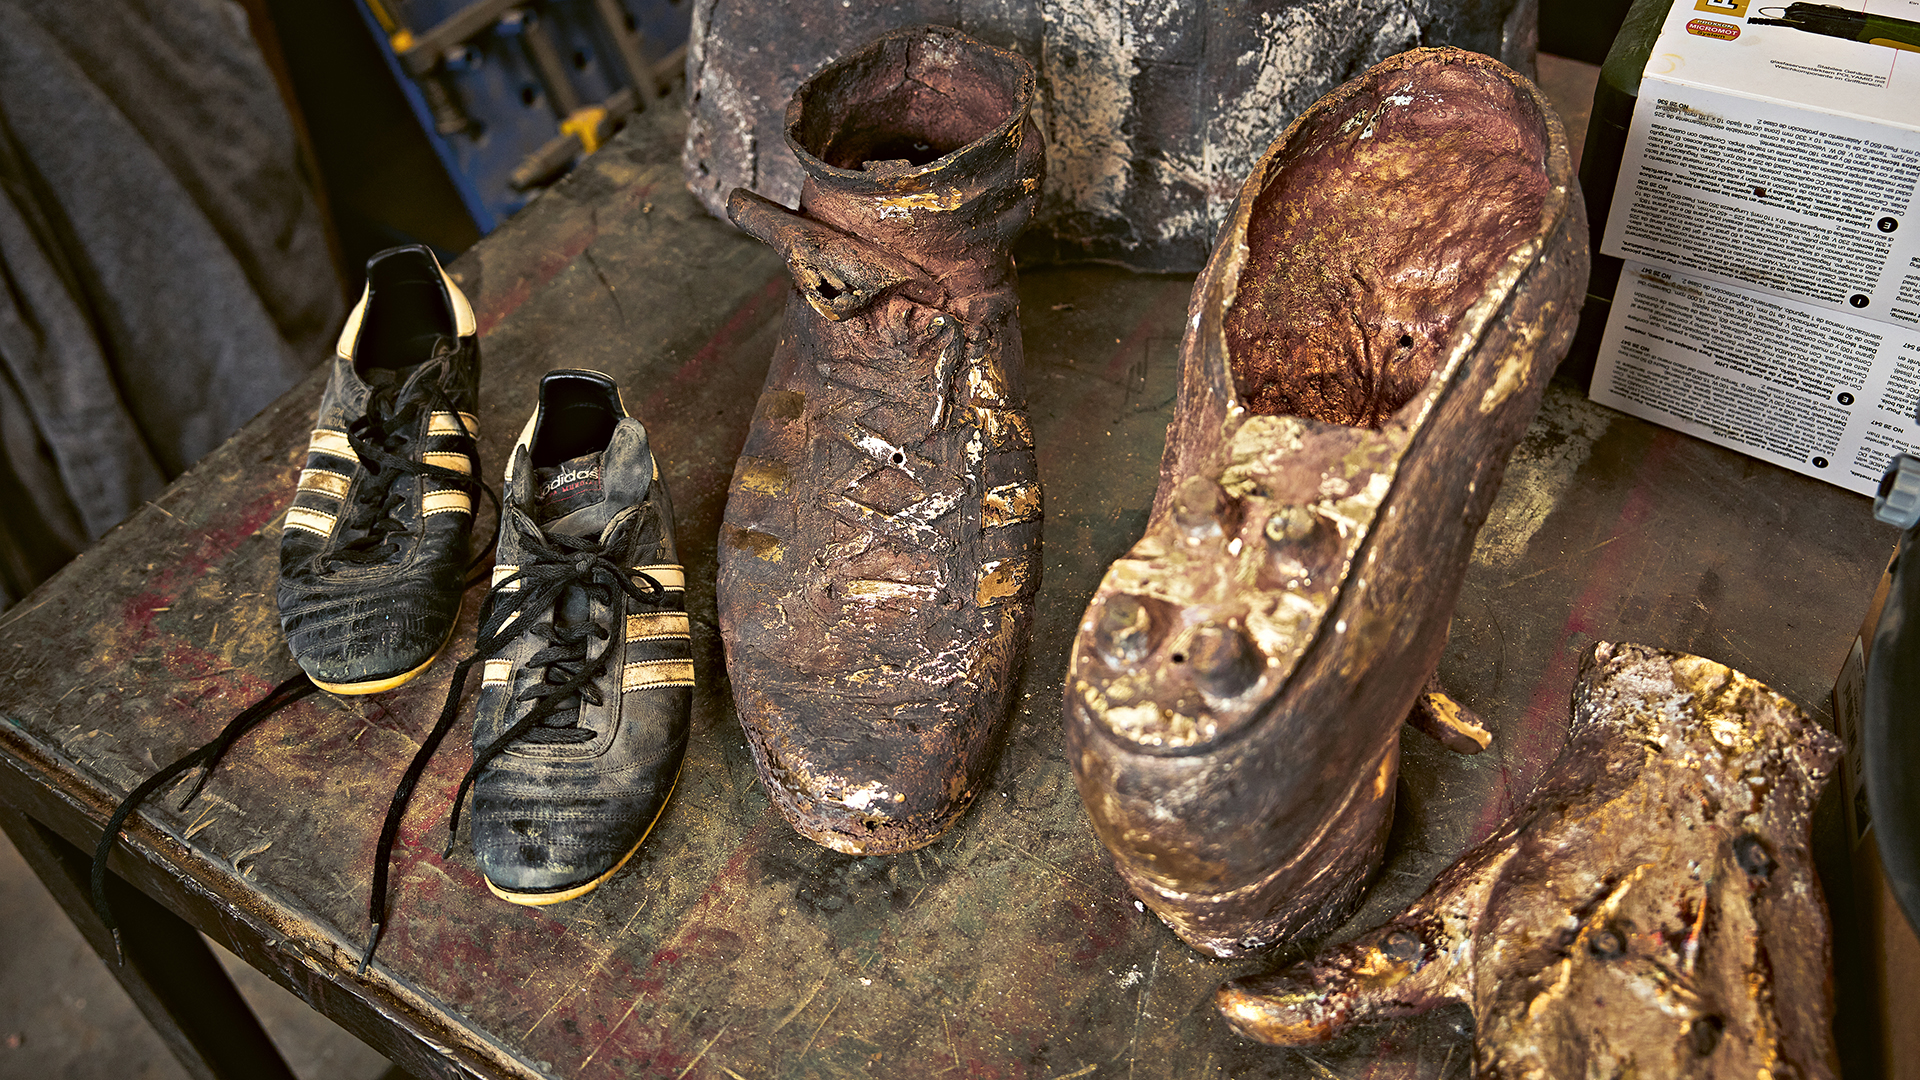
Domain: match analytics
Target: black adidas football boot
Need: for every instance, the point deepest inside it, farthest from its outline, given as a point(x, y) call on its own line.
point(374, 550)
point(587, 686)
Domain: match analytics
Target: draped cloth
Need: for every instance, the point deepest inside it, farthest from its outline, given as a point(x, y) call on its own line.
point(164, 271)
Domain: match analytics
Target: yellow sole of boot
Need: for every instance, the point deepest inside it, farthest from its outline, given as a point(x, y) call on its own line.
point(378, 685)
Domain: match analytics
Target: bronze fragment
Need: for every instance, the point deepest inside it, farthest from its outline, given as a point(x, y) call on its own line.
point(1650, 909)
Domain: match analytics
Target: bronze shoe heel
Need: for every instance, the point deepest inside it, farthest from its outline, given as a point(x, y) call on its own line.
point(1651, 909)
point(880, 549)
point(1401, 273)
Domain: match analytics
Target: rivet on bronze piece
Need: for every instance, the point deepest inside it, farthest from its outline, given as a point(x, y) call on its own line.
point(880, 550)
point(1290, 524)
point(1125, 631)
point(1223, 661)
point(1198, 508)
point(1650, 909)
point(1401, 273)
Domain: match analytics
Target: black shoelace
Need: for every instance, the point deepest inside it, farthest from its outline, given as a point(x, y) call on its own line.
point(377, 438)
point(208, 757)
point(557, 573)
point(380, 437)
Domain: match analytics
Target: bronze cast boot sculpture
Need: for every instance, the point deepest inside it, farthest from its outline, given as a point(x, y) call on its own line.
point(881, 544)
point(1650, 910)
point(1401, 273)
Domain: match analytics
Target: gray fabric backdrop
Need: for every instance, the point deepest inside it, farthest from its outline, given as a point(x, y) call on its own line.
point(165, 267)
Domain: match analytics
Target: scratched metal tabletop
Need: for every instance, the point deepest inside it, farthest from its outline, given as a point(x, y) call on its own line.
point(730, 947)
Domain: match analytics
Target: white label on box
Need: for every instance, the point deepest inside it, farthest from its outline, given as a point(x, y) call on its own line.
point(1829, 394)
point(1755, 193)
point(1737, 46)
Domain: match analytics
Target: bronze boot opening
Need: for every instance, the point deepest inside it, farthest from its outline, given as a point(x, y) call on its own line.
point(1651, 908)
point(881, 544)
point(1401, 273)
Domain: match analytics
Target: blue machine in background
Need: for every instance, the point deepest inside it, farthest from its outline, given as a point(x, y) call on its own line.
point(510, 93)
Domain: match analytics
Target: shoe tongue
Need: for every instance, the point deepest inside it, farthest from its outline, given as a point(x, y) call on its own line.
point(381, 378)
point(566, 488)
point(407, 375)
point(581, 497)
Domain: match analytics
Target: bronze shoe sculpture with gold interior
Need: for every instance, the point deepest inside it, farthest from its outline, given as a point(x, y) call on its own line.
point(1398, 279)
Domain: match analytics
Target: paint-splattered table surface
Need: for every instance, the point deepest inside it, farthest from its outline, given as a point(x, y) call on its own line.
point(730, 947)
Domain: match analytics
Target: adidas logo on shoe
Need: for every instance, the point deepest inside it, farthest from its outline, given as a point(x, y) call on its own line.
point(572, 485)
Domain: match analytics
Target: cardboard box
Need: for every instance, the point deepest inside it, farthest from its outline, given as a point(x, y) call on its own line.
point(1770, 299)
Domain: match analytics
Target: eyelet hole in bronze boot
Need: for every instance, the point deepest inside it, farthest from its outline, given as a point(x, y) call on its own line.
point(1381, 227)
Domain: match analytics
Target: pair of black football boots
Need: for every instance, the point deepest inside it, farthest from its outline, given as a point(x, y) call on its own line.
point(583, 643)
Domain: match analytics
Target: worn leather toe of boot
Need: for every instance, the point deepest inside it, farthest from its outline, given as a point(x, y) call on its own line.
point(1400, 275)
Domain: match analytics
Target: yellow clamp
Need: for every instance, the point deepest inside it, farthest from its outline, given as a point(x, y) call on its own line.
point(584, 125)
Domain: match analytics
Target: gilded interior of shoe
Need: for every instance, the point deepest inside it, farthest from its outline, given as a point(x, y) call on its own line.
point(1381, 224)
point(907, 100)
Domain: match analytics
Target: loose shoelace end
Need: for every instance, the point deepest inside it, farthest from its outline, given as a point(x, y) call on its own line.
point(366, 955)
